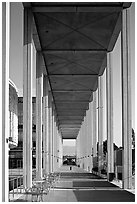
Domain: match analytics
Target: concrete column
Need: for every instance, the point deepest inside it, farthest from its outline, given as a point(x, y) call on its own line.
point(45, 125)
point(83, 142)
point(55, 143)
point(88, 138)
point(61, 153)
point(100, 123)
point(5, 98)
point(27, 99)
point(94, 126)
point(91, 136)
point(55, 148)
point(109, 101)
point(80, 149)
point(77, 149)
point(57, 151)
point(126, 101)
point(86, 141)
point(50, 132)
point(53, 134)
point(39, 94)
point(81, 145)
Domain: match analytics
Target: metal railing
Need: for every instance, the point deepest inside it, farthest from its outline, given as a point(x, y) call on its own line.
point(15, 185)
point(38, 187)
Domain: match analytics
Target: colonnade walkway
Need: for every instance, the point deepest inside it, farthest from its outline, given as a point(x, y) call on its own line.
point(78, 185)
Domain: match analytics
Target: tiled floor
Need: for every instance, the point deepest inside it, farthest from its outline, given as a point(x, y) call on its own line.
point(77, 185)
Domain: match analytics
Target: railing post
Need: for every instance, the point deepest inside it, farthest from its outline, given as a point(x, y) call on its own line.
point(17, 185)
point(13, 188)
point(20, 184)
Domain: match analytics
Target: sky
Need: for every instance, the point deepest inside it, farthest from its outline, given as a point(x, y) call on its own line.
point(16, 68)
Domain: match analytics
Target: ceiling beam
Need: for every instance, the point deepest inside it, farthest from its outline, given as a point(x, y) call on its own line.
point(44, 49)
point(64, 112)
point(85, 75)
point(68, 137)
point(69, 126)
point(74, 133)
point(67, 131)
point(70, 110)
point(70, 130)
point(115, 33)
point(73, 101)
point(73, 120)
point(75, 91)
point(74, 9)
point(70, 117)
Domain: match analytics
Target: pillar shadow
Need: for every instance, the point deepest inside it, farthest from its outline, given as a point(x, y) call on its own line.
point(104, 196)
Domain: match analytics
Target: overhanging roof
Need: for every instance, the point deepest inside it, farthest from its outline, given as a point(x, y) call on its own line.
point(74, 38)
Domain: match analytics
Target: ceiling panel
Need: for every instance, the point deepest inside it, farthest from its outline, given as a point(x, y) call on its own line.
point(74, 38)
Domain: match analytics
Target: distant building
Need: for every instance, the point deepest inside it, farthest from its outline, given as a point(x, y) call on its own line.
point(16, 154)
point(13, 115)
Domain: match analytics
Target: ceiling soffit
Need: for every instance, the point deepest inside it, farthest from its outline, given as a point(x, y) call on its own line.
point(74, 40)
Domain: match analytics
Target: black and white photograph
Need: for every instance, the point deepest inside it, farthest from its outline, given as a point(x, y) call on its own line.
point(67, 100)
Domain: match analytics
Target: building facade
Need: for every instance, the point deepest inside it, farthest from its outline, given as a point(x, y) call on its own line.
point(13, 115)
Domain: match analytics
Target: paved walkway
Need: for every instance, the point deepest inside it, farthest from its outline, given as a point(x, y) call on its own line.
point(77, 185)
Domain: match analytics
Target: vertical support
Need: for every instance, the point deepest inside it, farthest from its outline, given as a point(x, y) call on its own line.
point(27, 99)
point(50, 131)
point(77, 149)
point(91, 136)
point(53, 131)
point(80, 149)
point(94, 126)
point(83, 142)
point(5, 97)
point(126, 101)
point(39, 93)
point(109, 102)
point(86, 141)
point(100, 123)
point(45, 125)
point(55, 146)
